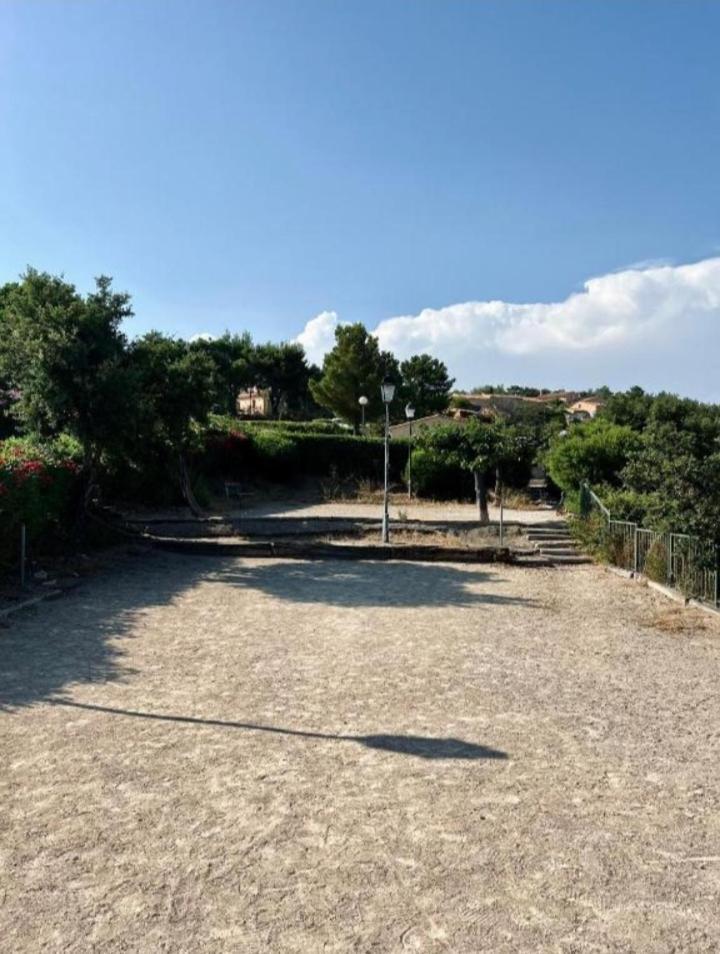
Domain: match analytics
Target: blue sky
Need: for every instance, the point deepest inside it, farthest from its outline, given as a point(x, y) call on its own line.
point(251, 165)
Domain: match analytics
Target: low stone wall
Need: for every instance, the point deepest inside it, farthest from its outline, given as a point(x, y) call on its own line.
point(305, 550)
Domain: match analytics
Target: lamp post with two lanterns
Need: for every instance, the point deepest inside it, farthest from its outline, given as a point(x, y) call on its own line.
point(409, 414)
point(387, 392)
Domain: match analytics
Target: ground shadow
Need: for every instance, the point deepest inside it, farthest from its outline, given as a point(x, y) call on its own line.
point(368, 583)
point(80, 638)
point(424, 747)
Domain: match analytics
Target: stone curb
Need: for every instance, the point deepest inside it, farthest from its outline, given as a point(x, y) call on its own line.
point(26, 604)
point(323, 551)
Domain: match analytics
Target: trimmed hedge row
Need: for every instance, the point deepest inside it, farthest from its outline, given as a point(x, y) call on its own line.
point(283, 455)
point(319, 426)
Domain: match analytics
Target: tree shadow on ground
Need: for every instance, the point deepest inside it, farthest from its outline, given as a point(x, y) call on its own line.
point(367, 583)
point(79, 639)
point(424, 747)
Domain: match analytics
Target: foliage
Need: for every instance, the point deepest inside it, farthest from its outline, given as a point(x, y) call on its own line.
point(355, 367)
point(477, 448)
point(282, 455)
point(629, 408)
point(425, 384)
point(595, 451)
point(625, 504)
point(434, 478)
point(316, 426)
point(232, 367)
point(283, 369)
point(38, 488)
point(171, 405)
point(65, 356)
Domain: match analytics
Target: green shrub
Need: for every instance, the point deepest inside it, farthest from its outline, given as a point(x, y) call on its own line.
point(656, 562)
point(625, 504)
point(37, 489)
point(318, 426)
point(234, 451)
point(596, 451)
point(440, 481)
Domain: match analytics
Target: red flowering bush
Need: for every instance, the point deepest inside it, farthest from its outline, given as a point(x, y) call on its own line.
point(38, 489)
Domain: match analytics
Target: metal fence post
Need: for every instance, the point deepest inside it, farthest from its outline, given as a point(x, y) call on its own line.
point(635, 548)
point(717, 574)
point(23, 554)
point(670, 559)
point(584, 500)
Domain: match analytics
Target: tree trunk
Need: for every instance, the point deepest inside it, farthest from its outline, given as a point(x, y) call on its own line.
point(186, 487)
point(481, 497)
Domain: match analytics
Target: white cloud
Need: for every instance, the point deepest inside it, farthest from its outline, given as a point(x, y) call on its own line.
point(318, 336)
point(610, 312)
point(202, 336)
point(644, 309)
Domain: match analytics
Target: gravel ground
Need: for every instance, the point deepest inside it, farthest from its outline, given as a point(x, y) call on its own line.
point(204, 754)
point(412, 511)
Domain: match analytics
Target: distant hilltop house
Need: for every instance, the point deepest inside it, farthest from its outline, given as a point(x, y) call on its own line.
point(254, 402)
point(577, 407)
point(510, 405)
point(459, 417)
point(490, 407)
point(585, 408)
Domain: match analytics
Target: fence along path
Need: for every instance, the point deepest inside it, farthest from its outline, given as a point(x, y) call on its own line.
point(678, 560)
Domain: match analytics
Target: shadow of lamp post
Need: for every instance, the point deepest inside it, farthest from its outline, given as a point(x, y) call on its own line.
point(387, 391)
point(409, 414)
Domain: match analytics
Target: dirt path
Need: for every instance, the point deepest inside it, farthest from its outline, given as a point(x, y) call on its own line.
point(397, 509)
point(214, 755)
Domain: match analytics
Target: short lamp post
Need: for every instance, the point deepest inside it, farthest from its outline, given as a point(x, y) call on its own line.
point(409, 414)
point(387, 392)
point(363, 402)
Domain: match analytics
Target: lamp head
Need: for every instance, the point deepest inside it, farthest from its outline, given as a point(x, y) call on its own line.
point(387, 390)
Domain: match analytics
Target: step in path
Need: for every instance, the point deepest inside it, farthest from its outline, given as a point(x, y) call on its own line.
point(554, 546)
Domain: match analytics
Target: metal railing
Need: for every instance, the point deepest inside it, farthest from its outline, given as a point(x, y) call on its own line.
point(678, 560)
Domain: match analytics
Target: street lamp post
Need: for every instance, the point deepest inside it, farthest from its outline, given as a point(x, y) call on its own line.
point(387, 392)
point(363, 402)
point(501, 492)
point(409, 414)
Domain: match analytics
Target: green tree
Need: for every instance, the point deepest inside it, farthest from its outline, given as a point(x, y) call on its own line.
point(425, 384)
point(353, 368)
point(630, 408)
point(482, 449)
point(283, 369)
point(595, 450)
point(172, 384)
point(232, 367)
point(65, 355)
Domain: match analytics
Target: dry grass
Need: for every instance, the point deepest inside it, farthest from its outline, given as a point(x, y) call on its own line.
point(679, 620)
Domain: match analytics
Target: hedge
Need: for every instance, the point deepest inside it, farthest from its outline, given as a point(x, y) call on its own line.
point(439, 481)
point(39, 487)
point(283, 455)
point(318, 426)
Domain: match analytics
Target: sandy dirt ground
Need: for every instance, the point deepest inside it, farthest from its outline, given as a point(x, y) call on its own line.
point(411, 511)
point(204, 754)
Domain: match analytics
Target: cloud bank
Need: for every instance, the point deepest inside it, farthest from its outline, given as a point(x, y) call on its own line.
point(650, 310)
point(318, 336)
